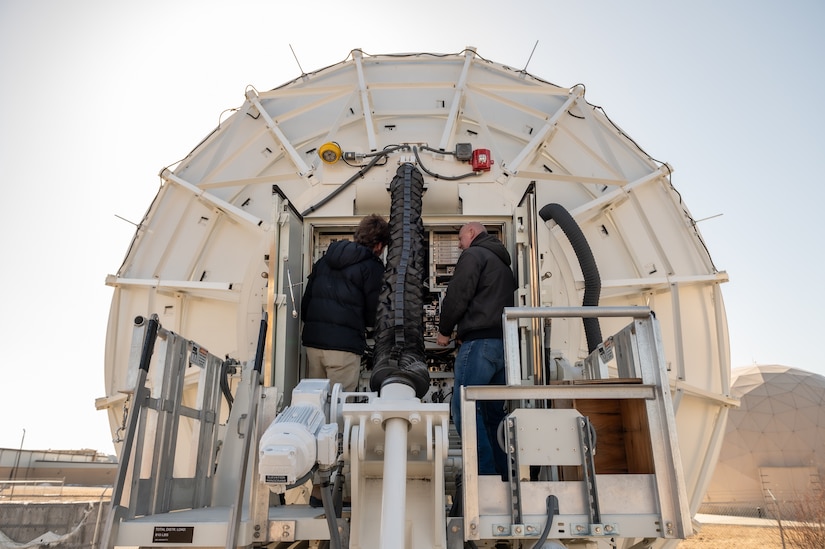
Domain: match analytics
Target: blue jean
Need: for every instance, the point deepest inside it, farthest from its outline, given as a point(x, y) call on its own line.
point(481, 362)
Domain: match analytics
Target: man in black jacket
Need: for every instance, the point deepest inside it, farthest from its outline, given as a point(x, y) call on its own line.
point(340, 303)
point(482, 285)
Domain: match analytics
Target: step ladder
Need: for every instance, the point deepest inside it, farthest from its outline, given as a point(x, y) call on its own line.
point(182, 474)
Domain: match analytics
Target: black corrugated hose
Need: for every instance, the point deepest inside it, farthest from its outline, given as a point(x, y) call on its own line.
point(592, 281)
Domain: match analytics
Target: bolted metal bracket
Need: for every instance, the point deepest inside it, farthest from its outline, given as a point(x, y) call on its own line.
point(516, 530)
point(455, 533)
point(282, 530)
point(595, 529)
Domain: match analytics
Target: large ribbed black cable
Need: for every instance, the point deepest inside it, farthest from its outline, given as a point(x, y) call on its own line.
point(399, 334)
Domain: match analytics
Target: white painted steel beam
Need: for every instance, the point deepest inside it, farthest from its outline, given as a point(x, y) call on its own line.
point(571, 178)
point(230, 209)
point(544, 134)
point(280, 138)
point(613, 287)
point(594, 207)
point(223, 291)
point(366, 107)
point(460, 88)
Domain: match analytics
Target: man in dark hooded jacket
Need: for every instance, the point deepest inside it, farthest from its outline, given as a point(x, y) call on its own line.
point(340, 303)
point(482, 285)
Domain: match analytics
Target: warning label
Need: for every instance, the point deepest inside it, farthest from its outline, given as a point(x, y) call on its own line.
point(173, 534)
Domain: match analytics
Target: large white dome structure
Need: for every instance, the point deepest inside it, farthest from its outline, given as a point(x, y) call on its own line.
point(774, 445)
point(589, 219)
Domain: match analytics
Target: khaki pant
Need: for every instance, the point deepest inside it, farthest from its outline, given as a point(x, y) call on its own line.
point(337, 366)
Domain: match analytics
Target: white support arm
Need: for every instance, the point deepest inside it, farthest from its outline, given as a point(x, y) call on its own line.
point(544, 133)
point(460, 87)
point(231, 210)
point(280, 138)
point(365, 100)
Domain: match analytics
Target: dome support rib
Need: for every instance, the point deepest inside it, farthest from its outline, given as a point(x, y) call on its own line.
point(233, 211)
point(543, 134)
point(594, 207)
point(366, 108)
point(460, 88)
point(303, 170)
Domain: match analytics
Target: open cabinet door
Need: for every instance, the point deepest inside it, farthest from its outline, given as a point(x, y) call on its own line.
point(283, 366)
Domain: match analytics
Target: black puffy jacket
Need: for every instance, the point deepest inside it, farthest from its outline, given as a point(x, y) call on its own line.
point(341, 298)
point(483, 284)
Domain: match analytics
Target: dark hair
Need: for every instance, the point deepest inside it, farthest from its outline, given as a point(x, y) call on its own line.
point(372, 230)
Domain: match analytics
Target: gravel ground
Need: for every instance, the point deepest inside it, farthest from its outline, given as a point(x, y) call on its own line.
point(727, 536)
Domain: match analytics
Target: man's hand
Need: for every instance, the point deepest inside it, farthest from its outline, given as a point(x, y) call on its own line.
point(442, 340)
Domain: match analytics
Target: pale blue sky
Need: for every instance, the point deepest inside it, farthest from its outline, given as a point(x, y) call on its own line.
point(98, 95)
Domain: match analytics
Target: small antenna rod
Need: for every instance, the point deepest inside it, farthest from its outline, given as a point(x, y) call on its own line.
point(529, 58)
point(127, 221)
point(302, 69)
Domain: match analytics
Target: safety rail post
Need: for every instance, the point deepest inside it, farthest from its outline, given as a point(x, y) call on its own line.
point(236, 509)
point(116, 510)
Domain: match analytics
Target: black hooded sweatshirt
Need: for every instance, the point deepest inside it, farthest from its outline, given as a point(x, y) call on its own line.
point(483, 284)
point(341, 298)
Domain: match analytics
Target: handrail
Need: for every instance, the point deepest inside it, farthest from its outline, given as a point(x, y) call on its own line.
point(511, 315)
point(579, 312)
point(236, 510)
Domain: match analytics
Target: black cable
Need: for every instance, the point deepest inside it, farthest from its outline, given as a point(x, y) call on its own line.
point(552, 511)
point(227, 367)
point(259, 352)
point(338, 489)
point(444, 177)
point(439, 151)
point(379, 155)
point(329, 511)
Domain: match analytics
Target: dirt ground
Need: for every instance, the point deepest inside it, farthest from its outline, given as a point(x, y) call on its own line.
point(726, 536)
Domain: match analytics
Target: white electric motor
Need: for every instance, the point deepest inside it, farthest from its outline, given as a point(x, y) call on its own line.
point(298, 438)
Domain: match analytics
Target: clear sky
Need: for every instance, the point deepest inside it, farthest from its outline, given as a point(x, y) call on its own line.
point(97, 96)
